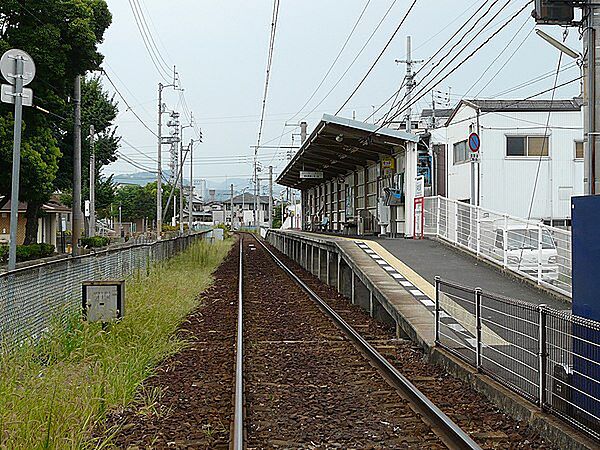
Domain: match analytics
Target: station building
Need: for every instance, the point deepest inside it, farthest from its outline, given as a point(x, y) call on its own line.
point(356, 178)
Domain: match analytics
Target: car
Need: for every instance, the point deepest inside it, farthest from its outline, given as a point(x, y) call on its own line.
point(524, 250)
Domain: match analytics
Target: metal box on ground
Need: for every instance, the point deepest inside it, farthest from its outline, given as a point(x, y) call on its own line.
point(103, 301)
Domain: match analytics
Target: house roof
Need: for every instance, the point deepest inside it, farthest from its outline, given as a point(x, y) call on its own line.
point(338, 146)
point(516, 105)
point(438, 112)
point(51, 206)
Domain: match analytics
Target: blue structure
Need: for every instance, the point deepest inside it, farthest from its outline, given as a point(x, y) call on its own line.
point(586, 304)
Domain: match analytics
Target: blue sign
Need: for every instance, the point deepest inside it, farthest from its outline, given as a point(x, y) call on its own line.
point(474, 142)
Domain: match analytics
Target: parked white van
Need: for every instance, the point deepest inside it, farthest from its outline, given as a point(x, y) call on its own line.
point(524, 250)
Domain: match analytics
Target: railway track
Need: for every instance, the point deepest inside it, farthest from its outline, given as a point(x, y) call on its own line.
point(306, 378)
point(302, 381)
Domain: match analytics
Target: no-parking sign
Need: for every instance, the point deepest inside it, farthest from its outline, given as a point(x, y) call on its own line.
point(474, 142)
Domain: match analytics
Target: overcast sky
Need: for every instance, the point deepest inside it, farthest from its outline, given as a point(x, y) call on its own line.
point(220, 50)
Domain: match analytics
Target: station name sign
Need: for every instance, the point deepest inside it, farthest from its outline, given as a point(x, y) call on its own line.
point(310, 175)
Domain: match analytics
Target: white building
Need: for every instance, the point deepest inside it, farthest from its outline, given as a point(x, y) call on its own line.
point(243, 210)
point(531, 156)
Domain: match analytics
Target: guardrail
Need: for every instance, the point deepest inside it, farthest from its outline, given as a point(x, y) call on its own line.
point(550, 357)
point(32, 298)
point(530, 249)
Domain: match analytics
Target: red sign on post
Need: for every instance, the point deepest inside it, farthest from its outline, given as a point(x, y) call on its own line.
point(419, 216)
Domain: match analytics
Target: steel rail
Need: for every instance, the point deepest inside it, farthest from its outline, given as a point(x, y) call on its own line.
point(450, 433)
point(238, 420)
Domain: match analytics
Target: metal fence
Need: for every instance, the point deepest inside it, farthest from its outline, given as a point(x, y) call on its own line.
point(550, 357)
point(528, 248)
point(32, 297)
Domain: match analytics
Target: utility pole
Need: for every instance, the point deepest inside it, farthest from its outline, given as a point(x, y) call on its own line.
point(159, 167)
point(77, 215)
point(592, 122)
point(92, 227)
point(231, 203)
point(270, 196)
point(303, 132)
point(409, 80)
point(191, 193)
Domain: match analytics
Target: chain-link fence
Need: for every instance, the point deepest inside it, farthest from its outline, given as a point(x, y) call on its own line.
point(550, 357)
point(32, 297)
point(531, 249)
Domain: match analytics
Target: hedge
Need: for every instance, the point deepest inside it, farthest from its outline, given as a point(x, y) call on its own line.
point(28, 252)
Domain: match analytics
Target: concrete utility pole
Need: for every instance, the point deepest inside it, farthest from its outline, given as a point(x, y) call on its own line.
point(159, 166)
point(270, 196)
point(231, 203)
point(592, 118)
point(191, 193)
point(92, 227)
point(77, 215)
point(303, 132)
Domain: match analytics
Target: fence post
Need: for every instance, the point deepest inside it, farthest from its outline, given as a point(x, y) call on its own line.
point(539, 255)
point(455, 222)
point(505, 242)
point(542, 355)
point(437, 310)
point(437, 219)
point(478, 230)
point(478, 328)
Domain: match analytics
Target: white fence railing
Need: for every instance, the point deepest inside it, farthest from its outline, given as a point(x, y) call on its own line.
point(531, 249)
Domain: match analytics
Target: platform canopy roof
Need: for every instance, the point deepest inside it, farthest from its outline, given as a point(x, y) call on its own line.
point(338, 146)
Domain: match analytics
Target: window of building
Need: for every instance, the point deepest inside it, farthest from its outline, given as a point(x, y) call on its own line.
point(527, 146)
point(579, 150)
point(461, 152)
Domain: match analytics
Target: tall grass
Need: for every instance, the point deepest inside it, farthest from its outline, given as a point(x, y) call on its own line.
point(54, 392)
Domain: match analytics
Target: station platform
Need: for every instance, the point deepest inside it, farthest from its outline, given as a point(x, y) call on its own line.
point(394, 281)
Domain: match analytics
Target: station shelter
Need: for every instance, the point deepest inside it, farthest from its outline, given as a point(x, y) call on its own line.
point(355, 178)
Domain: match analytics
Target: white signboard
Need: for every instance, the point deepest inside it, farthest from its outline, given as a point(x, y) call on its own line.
point(86, 208)
point(308, 175)
point(7, 95)
point(420, 186)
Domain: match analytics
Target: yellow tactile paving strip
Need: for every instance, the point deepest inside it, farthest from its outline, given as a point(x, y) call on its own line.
point(462, 316)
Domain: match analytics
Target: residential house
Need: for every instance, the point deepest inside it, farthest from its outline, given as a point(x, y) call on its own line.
point(49, 224)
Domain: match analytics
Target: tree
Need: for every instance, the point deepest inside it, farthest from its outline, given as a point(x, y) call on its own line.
point(139, 202)
point(62, 37)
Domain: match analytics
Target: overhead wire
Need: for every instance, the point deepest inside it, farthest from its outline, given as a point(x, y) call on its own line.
point(379, 56)
point(147, 44)
point(127, 103)
point(440, 49)
point(335, 60)
point(453, 47)
point(428, 86)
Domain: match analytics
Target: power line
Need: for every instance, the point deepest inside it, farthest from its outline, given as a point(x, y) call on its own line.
point(128, 105)
point(379, 56)
point(334, 61)
point(454, 46)
point(150, 35)
point(506, 47)
point(146, 40)
point(423, 90)
point(354, 60)
point(268, 71)
point(397, 92)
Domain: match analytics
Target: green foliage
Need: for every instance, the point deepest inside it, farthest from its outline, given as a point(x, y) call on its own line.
point(28, 252)
point(78, 372)
point(94, 241)
point(62, 37)
point(138, 202)
point(277, 215)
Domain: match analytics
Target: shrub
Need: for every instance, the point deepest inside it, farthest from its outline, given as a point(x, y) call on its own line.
point(28, 252)
point(95, 241)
